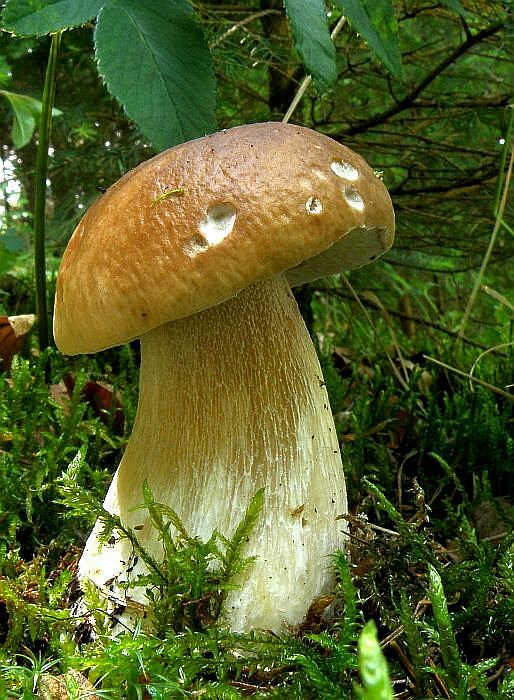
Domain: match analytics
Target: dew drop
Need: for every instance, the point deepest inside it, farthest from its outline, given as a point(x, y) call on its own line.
point(313, 205)
point(353, 198)
point(345, 170)
point(218, 223)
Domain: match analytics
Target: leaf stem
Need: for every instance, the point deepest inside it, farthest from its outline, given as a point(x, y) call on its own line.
point(45, 128)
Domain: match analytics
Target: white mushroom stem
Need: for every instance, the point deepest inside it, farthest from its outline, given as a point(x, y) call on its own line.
point(232, 399)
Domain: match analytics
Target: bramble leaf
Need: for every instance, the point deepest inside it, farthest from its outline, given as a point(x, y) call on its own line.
point(308, 21)
point(155, 61)
point(39, 17)
point(376, 23)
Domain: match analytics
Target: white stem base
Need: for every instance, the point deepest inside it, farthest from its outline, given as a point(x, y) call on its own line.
point(232, 400)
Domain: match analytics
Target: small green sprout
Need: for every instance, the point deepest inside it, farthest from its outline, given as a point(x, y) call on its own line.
point(372, 667)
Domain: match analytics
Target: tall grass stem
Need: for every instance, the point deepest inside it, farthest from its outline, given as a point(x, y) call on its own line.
point(499, 208)
point(45, 129)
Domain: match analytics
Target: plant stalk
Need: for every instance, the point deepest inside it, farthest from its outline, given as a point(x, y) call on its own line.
point(503, 159)
point(485, 262)
point(45, 128)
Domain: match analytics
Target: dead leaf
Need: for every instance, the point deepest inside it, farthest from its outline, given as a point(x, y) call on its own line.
point(105, 403)
point(13, 331)
point(70, 685)
point(59, 393)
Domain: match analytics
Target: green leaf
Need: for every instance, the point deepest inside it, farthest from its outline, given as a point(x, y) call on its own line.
point(25, 110)
point(5, 72)
point(155, 61)
point(454, 5)
point(376, 23)
point(38, 17)
point(308, 21)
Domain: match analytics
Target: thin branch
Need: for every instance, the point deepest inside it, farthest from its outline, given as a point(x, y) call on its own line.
point(408, 100)
point(455, 189)
point(407, 317)
point(243, 88)
point(491, 387)
point(240, 24)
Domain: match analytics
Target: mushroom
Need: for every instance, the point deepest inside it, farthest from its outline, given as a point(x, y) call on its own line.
point(195, 252)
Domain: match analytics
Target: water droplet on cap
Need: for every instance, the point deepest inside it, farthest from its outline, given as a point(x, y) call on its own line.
point(353, 198)
point(345, 170)
point(218, 223)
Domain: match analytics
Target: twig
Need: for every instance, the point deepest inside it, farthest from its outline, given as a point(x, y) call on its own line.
point(408, 100)
point(491, 387)
point(407, 317)
point(385, 530)
point(241, 23)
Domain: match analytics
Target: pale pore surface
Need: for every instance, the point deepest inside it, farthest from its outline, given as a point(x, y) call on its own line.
point(231, 400)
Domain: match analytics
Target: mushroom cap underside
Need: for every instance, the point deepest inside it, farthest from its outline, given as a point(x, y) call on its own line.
point(197, 223)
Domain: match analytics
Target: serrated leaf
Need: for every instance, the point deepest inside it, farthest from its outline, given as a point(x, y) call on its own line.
point(308, 20)
point(376, 22)
point(38, 17)
point(25, 110)
point(155, 62)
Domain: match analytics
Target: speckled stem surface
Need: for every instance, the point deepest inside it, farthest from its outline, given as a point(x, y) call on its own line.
point(232, 399)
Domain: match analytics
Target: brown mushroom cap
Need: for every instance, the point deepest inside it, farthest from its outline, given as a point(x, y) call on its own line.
point(197, 223)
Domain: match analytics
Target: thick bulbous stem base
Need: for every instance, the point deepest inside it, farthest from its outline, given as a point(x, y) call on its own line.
point(232, 400)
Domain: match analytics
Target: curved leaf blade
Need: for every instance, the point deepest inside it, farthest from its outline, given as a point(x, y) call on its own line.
point(25, 111)
point(375, 21)
point(39, 17)
point(5, 72)
point(24, 121)
point(309, 25)
point(156, 63)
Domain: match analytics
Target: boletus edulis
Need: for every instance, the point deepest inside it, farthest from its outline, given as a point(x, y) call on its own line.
point(195, 252)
